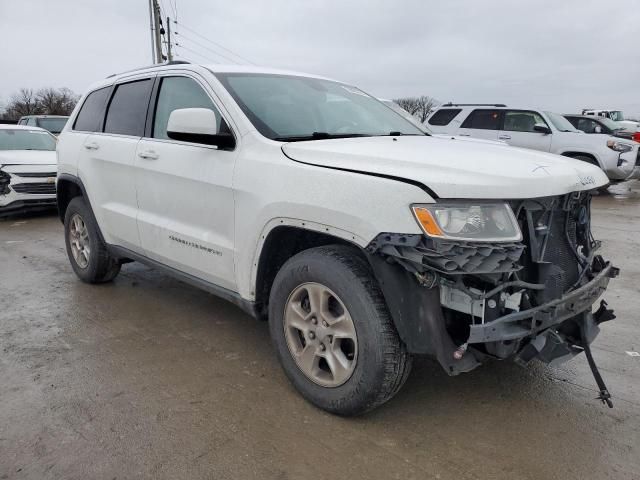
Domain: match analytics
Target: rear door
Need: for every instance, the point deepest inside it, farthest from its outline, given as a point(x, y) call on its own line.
point(108, 163)
point(482, 123)
point(185, 195)
point(518, 130)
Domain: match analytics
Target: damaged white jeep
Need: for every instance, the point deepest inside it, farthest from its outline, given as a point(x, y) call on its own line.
point(362, 240)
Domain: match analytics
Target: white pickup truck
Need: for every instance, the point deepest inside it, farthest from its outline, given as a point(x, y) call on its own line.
point(361, 239)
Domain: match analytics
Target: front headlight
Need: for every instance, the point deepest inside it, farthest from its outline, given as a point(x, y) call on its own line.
point(619, 146)
point(481, 222)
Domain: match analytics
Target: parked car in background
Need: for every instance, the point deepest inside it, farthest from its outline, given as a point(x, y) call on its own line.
point(539, 130)
point(615, 115)
point(52, 123)
point(363, 241)
point(592, 124)
point(27, 169)
point(414, 120)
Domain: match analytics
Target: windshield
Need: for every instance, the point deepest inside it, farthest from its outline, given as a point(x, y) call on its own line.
point(616, 116)
point(54, 125)
point(290, 108)
point(561, 123)
point(26, 140)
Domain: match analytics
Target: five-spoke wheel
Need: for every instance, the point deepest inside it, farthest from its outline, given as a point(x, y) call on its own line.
point(79, 241)
point(320, 334)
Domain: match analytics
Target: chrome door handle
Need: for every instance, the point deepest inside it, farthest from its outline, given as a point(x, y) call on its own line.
point(148, 155)
point(91, 146)
point(464, 134)
point(504, 137)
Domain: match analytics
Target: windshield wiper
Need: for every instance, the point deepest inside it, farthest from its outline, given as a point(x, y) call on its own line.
point(320, 136)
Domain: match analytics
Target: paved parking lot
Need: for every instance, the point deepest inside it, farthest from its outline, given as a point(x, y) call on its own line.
point(148, 377)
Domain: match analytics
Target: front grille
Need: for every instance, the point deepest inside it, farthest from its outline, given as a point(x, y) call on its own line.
point(36, 174)
point(5, 179)
point(35, 188)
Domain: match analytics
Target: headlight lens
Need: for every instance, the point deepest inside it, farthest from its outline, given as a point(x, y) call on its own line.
point(619, 146)
point(482, 222)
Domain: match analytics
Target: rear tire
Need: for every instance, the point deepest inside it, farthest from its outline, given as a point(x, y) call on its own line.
point(373, 362)
point(87, 253)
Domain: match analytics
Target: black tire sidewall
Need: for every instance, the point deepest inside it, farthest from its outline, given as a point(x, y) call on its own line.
point(360, 298)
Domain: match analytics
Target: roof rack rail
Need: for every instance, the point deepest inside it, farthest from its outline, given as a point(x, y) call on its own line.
point(172, 62)
point(474, 105)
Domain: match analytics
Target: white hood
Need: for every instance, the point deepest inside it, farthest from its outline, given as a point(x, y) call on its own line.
point(27, 157)
point(454, 168)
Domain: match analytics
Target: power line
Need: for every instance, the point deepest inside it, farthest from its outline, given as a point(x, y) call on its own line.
point(218, 54)
point(182, 47)
point(214, 43)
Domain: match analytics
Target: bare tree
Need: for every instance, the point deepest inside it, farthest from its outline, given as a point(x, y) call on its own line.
point(409, 104)
point(419, 107)
point(59, 101)
point(22, 103)
point(48, 101)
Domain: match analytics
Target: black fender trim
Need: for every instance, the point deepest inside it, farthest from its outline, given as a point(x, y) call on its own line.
point(417, 315)
point(409, 181)
point(75, 180)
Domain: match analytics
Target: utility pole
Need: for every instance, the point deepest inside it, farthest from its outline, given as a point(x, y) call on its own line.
point(153, 49)
point(156, 23)
point(169, 53)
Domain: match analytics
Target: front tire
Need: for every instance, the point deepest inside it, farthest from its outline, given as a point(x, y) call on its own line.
point(333, 333)
point(87, 253)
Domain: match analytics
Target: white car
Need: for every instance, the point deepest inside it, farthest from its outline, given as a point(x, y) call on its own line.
point(309, 203)
point(27, 169)
point(539, 130)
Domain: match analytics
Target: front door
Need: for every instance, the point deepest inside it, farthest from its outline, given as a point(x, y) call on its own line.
point(185, 196)
point(518, 130)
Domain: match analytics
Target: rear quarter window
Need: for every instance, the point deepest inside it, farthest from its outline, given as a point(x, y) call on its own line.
point(444, 116)
point(92, 111)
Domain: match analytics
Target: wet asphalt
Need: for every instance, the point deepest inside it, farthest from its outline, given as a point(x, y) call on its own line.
point(150, 378)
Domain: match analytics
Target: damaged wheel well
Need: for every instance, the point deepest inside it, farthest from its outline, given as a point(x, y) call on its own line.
point(281, 244)
point(66, 190)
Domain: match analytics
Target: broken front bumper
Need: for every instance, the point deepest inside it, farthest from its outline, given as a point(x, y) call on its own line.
point(534, 320)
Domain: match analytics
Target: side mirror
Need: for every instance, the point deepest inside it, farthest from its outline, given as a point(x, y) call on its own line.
point(541, 128)
point(597, 129)
point(199, 125)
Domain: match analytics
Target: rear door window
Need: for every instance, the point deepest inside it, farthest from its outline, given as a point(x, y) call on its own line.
point(91, 114)
point(484, 119)
point(444, 116)
point(127, 110)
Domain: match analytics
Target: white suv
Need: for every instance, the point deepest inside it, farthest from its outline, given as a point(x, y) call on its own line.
point(539, 130)
point(362, 240)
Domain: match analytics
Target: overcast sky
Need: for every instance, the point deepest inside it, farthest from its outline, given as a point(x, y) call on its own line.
point(560, 55)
